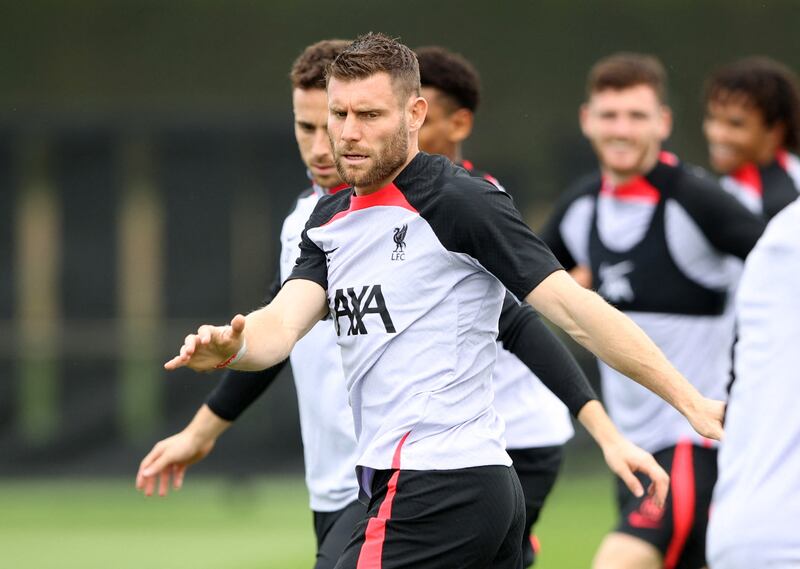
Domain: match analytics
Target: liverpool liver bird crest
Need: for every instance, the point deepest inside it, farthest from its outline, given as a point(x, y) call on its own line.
point(400, 238)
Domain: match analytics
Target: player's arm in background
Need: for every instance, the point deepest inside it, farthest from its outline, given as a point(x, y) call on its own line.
point(524, 334)
point(262, 339)
point(232, 395)
point(727, 224)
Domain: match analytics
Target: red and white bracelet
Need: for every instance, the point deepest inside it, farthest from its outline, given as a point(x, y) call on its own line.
point(235, 357)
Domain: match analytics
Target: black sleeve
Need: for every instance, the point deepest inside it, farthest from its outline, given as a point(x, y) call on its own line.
point(237, 390)
point(482, 221)
point(524, 334)
point(728, 225)
point(311, 265)
point(551, 235)
point(274, 287)
point(551, 232)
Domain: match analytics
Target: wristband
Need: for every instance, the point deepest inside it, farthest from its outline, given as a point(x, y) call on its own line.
point(235, 357)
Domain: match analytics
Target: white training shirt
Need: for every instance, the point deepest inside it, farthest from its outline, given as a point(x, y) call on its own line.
point(757, 497)
point(413, 277)
point(326, 422)
point(534, 417)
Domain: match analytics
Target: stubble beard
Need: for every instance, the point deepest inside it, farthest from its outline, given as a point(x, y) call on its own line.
point(393, 156)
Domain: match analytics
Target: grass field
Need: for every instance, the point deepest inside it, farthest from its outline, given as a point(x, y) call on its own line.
point(214, 524)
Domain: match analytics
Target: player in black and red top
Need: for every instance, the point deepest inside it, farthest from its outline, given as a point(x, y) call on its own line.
point(752, 126)
point(412, 266)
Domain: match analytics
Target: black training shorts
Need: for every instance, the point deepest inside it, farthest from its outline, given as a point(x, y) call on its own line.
point(678, 530)
point(430, 519)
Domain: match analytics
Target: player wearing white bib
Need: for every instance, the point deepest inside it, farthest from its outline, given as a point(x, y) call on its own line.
point(663, 242)
point(409, 265)
point(756, 510)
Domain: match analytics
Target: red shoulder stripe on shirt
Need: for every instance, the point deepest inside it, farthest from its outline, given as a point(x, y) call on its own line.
point(638, 189)
point(386, 196)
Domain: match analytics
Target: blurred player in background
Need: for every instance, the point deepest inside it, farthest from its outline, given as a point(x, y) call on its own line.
point(752, 126)
point(537, 423)
point(658, 237)
point(418, 330)
point(756, 510)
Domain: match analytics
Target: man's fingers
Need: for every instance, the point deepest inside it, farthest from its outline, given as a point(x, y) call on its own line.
point(189, 344)
point(633, 484)
point(163, 481)
point(149, 485)
point(237, 325)
point(151, 456)
point(206, 332)
point(161, 463)
point(178, 475)
point(175, 363)
point(659, 487)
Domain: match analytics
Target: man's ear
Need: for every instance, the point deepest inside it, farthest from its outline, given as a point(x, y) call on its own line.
point(417, 111)
point(460, 125)
point(666, 116)
point(777, 135)
point(583, 118)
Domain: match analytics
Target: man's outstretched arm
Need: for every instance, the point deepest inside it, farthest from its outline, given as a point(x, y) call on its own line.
point(260, 340)
point(618, 341)
point(272, 331)
point(526, 336)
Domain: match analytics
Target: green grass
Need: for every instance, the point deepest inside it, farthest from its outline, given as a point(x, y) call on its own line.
point(212, 524)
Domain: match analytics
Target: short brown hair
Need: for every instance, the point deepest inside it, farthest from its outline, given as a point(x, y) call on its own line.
point(624, 70)
point(376, 53)
point(308, 70)
point(769, 86)
point(451, 74)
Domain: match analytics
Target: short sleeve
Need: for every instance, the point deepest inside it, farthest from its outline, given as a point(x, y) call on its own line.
point(485, 224)
point(312, 264)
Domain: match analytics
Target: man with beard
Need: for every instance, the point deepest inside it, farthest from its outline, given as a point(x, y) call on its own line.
point(752, 126)
point(329, 441)
point(408, 264)
point(659, 237)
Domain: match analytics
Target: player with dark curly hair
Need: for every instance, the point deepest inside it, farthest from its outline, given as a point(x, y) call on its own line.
point(752, 126)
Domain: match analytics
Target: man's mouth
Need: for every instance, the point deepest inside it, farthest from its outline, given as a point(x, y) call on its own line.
point(354, 158)
point(722, 151)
